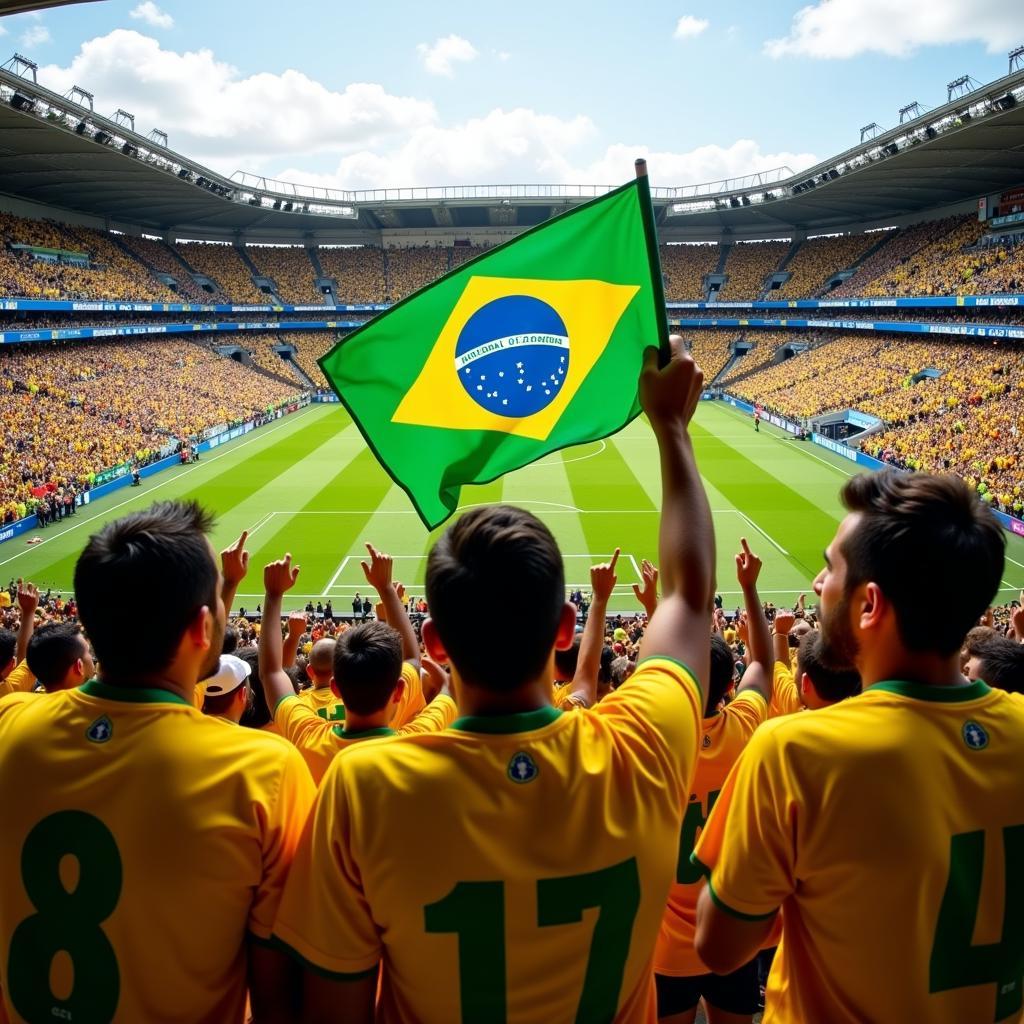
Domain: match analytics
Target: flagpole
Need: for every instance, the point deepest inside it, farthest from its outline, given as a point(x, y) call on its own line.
point(653, 257)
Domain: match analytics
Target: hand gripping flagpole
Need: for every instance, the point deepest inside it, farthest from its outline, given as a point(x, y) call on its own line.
point(654, 259)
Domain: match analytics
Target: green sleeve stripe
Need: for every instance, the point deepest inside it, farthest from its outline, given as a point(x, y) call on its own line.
point(700, 865)
point(283, 946)
point(680, 664)
point(287, 696)
point(737, 913)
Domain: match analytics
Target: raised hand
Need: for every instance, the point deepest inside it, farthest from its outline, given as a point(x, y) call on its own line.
point(602, 578)
point(784, 622)
point(434, 677)
point(234, 561)
point(743, 630)
point(379, 569)
point(1017, 620)
point(748, 566)
point(647, 593)
point(280, 576)
point(28, 598)
point(297, 623)
point(400, 590)
point(670, 394)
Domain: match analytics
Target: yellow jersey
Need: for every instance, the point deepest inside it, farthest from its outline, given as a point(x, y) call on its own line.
point(152, 840)
point(725, 734)
point(785, 693)
point(553, 841)
point(324, 702)
point(20, 680)
point(319, 742)
point(890, 830)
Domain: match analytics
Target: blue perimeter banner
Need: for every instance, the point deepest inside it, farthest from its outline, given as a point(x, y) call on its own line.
point(79, 333)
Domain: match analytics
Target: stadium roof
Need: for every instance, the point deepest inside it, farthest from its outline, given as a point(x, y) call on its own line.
point(57, 151)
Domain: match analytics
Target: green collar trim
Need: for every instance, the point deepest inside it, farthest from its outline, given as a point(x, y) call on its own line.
point(362, 734)
point(130, 694)
point(524, 721)
point(936, 694)
point(281, 700)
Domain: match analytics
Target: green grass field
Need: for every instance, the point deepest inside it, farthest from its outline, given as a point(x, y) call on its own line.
point(308, 485)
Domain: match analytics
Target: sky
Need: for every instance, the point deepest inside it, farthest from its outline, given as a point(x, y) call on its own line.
point(391, 94)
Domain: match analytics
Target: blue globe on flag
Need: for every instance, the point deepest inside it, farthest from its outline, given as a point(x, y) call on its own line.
point(512, 356)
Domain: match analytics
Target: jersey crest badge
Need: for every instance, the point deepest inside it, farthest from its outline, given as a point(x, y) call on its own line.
point(974, 735)
point(100, 731)
point(522, 768)
point(707, 741)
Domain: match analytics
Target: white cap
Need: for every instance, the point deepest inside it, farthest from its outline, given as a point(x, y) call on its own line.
point(230, 675)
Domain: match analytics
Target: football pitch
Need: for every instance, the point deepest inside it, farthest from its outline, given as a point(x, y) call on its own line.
point(308, 484)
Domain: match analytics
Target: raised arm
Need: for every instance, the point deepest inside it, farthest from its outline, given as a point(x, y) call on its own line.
point(28, 602)
point(234, 564)
point(588, 664)
point(760, 669)
point(781, 627)
point(646, 592)
point(686, 542)
point(378, 572)
point(296, 627)
point(278, 578)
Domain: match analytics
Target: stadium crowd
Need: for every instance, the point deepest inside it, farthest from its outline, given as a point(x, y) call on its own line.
point(684, 268)
point(371, 813)
point(71, 410)
point(290, 268)
point(747, 266)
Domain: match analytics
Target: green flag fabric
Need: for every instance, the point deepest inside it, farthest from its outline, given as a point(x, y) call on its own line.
point(533, 346)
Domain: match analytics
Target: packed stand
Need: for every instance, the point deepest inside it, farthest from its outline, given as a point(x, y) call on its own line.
point(411, 269)
point(111, 274)
point(712, 349)
point(71, 410)
point(223, 265)
point(683, 775)
point(747, 266)
point(818, 260)
point(684, 268)
point(766, 348)
point(358, 270)
point(290, 268)
point(159, 256)
point(309, 347)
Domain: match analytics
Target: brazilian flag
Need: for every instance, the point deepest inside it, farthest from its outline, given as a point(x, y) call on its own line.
point(533, 346)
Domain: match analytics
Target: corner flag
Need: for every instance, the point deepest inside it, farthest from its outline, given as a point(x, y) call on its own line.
point(531, 347)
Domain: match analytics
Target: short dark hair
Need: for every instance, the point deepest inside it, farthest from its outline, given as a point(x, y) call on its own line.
point(924, 535)
point(566, 661)
point(161, 549)
point(230, 644)
point(1002, 662)
point(219, 703)
point(722, 674)
point(52, 649)
point(830, 684)
point(8, 646)
point(367, 666)
point(489, 550)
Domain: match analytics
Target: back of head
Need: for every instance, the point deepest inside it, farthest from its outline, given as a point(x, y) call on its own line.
point(367, 666)
point(830, 684)
point(256, 714)
point(8, 646)
point(565, 662)
point(320, 665)
point(162, 549)
point(999, 661)
point(53, 650)
point(230, 644)
point(922, 535)
point(723, 671)
point(496, 549)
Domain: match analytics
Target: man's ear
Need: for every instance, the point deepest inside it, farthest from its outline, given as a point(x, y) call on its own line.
point(200, 629)
point(432, 642)
point(566, 635)
point(873, 606)
point(399, 693)
point(334, 688)
point(7, 669)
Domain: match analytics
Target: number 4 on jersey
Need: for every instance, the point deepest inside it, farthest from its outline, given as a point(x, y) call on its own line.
point(955, 961)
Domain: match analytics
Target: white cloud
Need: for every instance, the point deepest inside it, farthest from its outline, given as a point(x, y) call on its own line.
point(522, 146)
point(35, 35)
point(152, 15)
point(846, 28)
point(215, 114)
point(439, 58)
point(688, 26)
